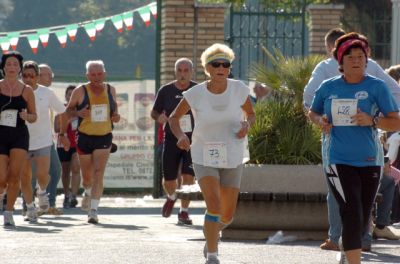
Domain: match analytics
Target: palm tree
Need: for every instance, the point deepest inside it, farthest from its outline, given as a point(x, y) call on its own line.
point(282, 133)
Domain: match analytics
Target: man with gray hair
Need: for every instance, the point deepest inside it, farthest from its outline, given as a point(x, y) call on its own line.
point(176, 163)
point(95, 105)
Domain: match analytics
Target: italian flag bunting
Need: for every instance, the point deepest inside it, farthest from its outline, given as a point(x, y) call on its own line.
point(43, 36)
point(13, 37)
point(91, 31)
point(33, 40)
point(5, 44)
point(117, 21)
point(62, 37)
point(128, 20)
point(144, 13)
point(99, 24)
point(71, 31)
point(153, 9)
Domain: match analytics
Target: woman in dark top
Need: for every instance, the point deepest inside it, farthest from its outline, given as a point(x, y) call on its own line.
point(17, 105)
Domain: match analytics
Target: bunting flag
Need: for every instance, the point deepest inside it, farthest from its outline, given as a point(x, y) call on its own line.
point(117, 21)
point(71, 31)
point(43, 36)
point(5, 44)
point(145, 14)
point(13, 37)
point(10, 39)
point(33, 40)
point(128, 20)
point(62, 37)
point(91, 31)
point(99, 24)
point(153, 9)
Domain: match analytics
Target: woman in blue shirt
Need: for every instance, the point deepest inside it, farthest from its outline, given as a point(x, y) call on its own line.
point(349, 109)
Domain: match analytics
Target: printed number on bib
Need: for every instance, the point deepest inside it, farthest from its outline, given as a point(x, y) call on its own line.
point(99, 113)
point(185, 124)
point(215, 155)
point(9, 118)
point(342, 111)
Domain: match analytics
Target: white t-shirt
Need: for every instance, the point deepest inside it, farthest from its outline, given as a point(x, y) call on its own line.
point(394, 143)
point(40, 132)
point(217, 120)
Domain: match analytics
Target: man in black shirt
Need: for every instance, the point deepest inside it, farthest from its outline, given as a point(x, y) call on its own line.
point(176, 163)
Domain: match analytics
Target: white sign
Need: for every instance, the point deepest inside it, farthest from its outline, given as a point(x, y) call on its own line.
point(342, 111)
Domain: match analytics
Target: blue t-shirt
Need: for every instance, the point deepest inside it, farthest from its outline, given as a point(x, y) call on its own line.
point(353, 145)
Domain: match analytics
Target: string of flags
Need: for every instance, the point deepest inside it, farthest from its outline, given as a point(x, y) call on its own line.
point(92, 27)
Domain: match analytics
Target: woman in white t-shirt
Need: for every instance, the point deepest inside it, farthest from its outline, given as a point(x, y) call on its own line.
point(223, 113)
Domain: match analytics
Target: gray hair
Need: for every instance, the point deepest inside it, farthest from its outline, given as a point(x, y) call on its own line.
point(95, 63)
point(183, 60)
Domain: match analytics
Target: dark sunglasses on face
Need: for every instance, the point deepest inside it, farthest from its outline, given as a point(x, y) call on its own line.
point(224, 64)
point(27, 75)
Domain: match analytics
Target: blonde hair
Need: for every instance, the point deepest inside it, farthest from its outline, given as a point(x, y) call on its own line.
point(215, 49)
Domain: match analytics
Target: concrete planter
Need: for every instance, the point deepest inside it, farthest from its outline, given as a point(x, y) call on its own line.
point(258, 218)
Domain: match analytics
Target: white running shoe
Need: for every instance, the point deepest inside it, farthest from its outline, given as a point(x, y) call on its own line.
point(212, 260)
point(8, 219)
point(44, 204)
point(85, 206)
point(92, 217)
point(31, 215)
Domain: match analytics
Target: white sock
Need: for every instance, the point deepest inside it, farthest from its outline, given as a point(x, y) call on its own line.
point(183, 210)
point(88, 191)
point(40, 191)
point(172, 196)
point(94, 204)
point(212, 255)
point(30, 205)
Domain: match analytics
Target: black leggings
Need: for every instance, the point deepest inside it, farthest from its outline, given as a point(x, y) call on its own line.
point(355, 189)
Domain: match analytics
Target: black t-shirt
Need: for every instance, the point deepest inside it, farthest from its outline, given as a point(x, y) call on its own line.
point(168, 97)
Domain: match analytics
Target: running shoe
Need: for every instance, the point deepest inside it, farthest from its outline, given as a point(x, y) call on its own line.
point(8, 219)
point(85, 206)
point(329, 245)
point(92, 217)
point(54, 211)
point(44, 204)
point(184, 219)
point(66, 203)
point(31, 215)
point(73, 201)
point(167, 208)
point(386, 233)
point(212, 260)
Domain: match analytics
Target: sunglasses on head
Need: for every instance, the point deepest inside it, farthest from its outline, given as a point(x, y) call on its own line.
point(224, 64)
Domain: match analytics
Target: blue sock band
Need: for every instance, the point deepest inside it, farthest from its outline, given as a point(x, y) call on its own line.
point(212, 217)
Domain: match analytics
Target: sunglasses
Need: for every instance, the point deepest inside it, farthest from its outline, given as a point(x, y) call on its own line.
point(224, 64)
point(27, 75)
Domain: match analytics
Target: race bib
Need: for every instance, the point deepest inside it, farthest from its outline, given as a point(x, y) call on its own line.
point(74, 124)
point(342, 111)
point(99, 113)
point(215, 155)
point(185, 123)
point(9, 118)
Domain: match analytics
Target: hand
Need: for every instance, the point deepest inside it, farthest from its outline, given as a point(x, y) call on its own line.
point(65, 142)
point(183, 142)
point(115, 117)
point(24, 115)
point(84, 112)
point(162, 119)
point(324, 124)
point(362, 119)
point(243, 130)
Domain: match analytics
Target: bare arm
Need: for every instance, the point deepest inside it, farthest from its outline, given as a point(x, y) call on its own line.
point(320, 121)
point(115, 117)
point(250, 118)
point(181, 109)
point(391, 122)
point(30, 114)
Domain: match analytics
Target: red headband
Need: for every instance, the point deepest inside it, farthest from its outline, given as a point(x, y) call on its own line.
point(347, 44)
